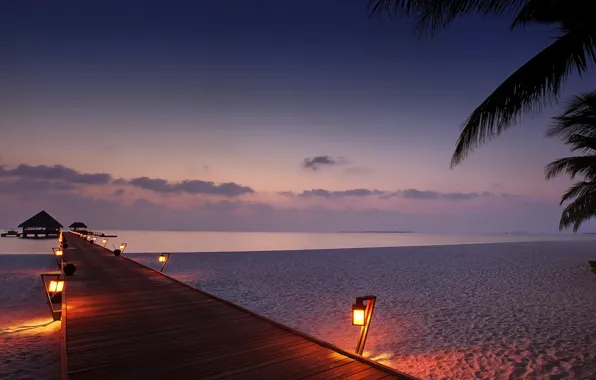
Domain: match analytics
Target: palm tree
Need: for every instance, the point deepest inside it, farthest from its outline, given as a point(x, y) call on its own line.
point(535, 84)
point(576, 127)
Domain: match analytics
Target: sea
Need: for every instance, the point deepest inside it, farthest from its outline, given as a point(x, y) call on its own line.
point(215, 241)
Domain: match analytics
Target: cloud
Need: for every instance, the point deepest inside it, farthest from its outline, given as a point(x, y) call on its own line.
point(406, 194)
point(228, 189)
point(57, 177)
point(509, 214)
point(56, 173)
point(24, 186)
point(322, 193)
point(315, 163)
point(431, 195)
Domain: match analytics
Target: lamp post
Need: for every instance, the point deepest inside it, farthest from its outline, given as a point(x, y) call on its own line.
point(361, 316)
point(53, 289)
point(163, 259)
point(59, 255)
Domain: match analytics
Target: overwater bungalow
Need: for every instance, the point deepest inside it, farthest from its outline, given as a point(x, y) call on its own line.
point(41, 225)
point(78, 227)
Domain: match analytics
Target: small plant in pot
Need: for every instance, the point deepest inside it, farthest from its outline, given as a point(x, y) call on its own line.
point(69, 269)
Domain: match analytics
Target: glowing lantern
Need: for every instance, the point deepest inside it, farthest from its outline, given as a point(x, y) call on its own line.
point(361, 316)
point(56, 286)
point(104, 241)
point(58, 252)
point(53, 289)
point(163, 259)
point(358, 314)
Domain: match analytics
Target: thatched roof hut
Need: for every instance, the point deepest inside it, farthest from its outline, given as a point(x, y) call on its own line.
point(41, 224)
point(78, 226)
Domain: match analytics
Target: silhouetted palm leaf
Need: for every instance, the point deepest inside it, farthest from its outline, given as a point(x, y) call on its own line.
point(579, 190)
point(566, 12)
point(538, 82)
point(580, 210)
point(573, 166)
point(433, 15)
point(576, 127)
point(531, 87)
point(584, 144)
point(579, 119)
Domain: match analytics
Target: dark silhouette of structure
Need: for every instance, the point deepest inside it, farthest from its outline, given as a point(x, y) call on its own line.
point(41, 225)
point(78, 226)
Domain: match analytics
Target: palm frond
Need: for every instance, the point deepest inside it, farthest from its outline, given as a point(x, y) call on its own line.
point(584, 144)
point(433, 15)
point(573, 166)
point(536, 84)
point(579, 118)
point(579, 190)
point(542, 11)
point(582, 209)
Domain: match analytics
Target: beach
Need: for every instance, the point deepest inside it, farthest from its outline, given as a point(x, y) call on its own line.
point(507, 310)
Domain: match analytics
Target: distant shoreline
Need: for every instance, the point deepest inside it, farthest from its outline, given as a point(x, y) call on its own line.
point(376, 232)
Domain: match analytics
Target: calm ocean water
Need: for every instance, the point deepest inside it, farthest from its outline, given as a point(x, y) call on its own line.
point(203, 241)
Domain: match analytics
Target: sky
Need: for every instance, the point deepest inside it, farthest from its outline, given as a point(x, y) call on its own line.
point(263, 115)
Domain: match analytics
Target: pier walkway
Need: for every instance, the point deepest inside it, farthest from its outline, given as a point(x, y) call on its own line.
point(122, 320)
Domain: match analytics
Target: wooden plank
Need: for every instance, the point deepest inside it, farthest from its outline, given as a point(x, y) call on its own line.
point(126, 321)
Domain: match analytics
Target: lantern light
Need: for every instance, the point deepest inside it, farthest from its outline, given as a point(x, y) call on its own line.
point(104, 241)
point(163, 259)
point(123, 247)
point(358, 314)
point(56, 286)
point(59, 256)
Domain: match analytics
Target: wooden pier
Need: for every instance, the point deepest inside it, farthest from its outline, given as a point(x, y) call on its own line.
point(122, 320)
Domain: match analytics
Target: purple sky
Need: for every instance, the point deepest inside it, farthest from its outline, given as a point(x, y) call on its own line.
point(262, 115)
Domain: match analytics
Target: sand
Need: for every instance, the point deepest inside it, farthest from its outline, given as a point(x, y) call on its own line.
point(499, 311)
point(512, 310)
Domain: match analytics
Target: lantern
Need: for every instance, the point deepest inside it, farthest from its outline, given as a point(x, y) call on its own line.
point(361, 316)
point(58, 255)
point(163, 259)
point(358, 314)
point(123, 247)
point(104, 241)
point(54, 289)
